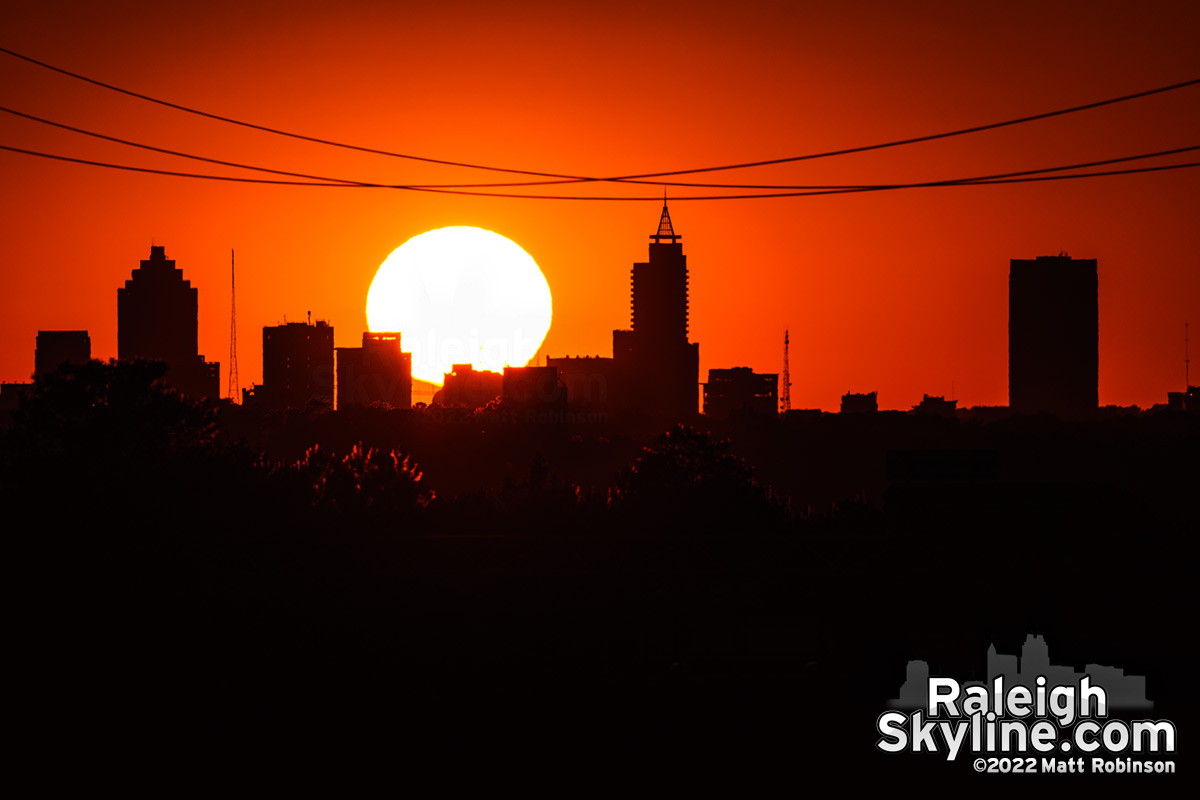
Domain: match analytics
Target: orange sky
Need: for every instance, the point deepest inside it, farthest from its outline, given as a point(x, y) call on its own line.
point(899, 292)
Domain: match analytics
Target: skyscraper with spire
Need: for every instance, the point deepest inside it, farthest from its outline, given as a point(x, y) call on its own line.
point(663, 366)
point(654, 369)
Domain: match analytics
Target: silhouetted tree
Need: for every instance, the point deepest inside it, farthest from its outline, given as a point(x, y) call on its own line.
point(686, 478)
point(114, 436)
point(384, 485)
point(98, 410)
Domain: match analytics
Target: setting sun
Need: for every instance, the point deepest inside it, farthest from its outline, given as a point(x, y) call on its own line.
point(461, 295)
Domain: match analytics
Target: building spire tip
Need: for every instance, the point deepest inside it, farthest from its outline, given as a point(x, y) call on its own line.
point(665, 229)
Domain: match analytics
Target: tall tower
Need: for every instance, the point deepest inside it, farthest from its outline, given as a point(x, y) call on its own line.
point(660, 290)
point(234, 390)
point(785, 388)
point(1053, 336)
point(659, 367)
point(157, 318)
point(157, 312)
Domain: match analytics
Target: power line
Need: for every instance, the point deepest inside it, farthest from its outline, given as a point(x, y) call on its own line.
point(164, 150)
point(197, 175)
point(375, 185)
point(918, 139)
point(622, 178)
point(866, 187)
point(276, 131)
point(852, 190)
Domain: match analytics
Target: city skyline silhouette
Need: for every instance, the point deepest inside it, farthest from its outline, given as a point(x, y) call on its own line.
point(1053, 351)
point(867, 364)
point(846, 274)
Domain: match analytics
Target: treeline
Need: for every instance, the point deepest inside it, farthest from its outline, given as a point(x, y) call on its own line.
point(111, 436)
point(109, 442)
point(197, 590)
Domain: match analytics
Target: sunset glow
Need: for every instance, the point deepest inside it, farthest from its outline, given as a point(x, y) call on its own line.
point(529, 393)
point(899, 292)
point(461, 295)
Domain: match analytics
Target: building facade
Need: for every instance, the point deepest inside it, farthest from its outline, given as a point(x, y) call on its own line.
point(55, 348)
point(378, 372)
point(1053, 336)
point(740, 390)
point(594, 383)
point(937, 406)
point(853, 403)
point(535, 389)
point(157, 319)
point(297, 365)
point(654, 369)
point(469, 387)
point(660, 366)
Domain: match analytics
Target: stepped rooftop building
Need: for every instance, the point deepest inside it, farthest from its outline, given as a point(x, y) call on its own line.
point(157, 319)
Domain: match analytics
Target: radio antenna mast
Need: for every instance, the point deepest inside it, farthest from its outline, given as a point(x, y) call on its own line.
point(233, 390)
point(785, 393)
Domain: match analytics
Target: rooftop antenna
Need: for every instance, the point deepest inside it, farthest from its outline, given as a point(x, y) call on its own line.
point(785, 395)
point(665, 229)
point(233, 390)
point(310, 318)
point(1187, 375)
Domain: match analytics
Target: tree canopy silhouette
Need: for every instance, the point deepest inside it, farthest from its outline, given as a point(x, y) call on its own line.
point(104, 418)
point(687, 478)
point(384, 485)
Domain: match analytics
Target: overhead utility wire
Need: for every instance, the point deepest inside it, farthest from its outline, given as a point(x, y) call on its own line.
point(366, 184)
point(852, 190)
point(277, 131)
point(915, 140)
point(180, 153)
point(622, 178)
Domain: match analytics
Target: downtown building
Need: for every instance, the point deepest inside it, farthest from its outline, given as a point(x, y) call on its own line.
point(536, 389)
point(157, 320)
point(55, 348)
point(654, 369)
point(297, 366)
point(740, 390)
point(859, 403)
point(1053, 336)
point(468, 387)
point(379, 372)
